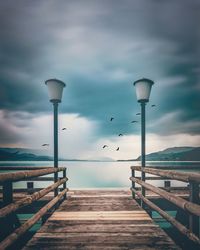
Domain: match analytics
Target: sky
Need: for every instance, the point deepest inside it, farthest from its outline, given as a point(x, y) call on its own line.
point(99, 48)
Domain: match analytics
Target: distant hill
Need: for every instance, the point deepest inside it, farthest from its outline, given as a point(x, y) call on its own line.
point(22, 154)
point(174, 154)
point(27, 154)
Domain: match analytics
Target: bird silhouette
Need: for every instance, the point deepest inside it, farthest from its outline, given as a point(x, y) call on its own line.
point(120, 135)
point(134, 121)
point(63, 128)
point(153, 105)
point(138, 114)
point(105, 146)
point(112, 118)
point(45, 144)
point(117, 149)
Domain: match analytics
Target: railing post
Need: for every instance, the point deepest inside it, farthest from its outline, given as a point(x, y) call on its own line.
point(194, 197)
point(133, 183)
point(30, 187)
point(7, 193)
point(65, 183)
point(7, 199)
point(167, 185)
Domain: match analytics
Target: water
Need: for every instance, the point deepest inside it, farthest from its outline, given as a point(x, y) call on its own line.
point(84, 174)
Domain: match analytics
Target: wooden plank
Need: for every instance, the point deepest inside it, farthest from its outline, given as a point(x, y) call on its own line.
point(92, 247)
point(81, 242)
point(57, 227)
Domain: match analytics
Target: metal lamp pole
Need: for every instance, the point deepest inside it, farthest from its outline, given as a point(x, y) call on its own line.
point(55, 112)
point(55, 89)
point(143, 89)
point(143, 139)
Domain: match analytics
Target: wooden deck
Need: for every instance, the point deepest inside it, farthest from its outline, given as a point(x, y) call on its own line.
point(106, 220)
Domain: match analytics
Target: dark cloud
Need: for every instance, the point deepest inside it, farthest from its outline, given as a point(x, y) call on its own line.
point(99, 48)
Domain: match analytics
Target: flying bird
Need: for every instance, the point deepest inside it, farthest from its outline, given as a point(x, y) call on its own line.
point(117, 149)
point(134, 121)
point(153, 105)
point(138, 114)
point(105, 146)
point(112, 118)
point(120, 135)
point(63, 128)
point(45, 144)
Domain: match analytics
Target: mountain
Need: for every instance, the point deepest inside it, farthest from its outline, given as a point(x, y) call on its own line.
point(22, 154)
point(174, 154)
point(26, 154)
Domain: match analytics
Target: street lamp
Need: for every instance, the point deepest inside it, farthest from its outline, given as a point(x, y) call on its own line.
point(143, 89)
point(55, 89)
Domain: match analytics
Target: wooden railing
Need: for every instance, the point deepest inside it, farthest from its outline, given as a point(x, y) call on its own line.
point(191, 206)
point(9, 209)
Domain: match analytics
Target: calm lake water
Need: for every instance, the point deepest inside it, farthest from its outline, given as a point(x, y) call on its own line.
point(83, 174)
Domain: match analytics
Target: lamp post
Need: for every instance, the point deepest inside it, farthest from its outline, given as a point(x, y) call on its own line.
point(143, 89)
point(55, 89)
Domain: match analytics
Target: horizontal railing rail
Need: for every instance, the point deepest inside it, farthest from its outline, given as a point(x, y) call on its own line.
point(23, 175)
point(169, 218)
point(191, 206)
point(6, 168)
point(171, 174)
point(180, 202)
point(11, 207)
point(175, 167)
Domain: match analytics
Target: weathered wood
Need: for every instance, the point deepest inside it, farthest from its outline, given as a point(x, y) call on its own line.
point(30, 187)
point(169, 218)
point(65, 183)
point(194, 198)
point(40, 179)
point(71, 227)
point(167, 185)
point(155, 178)
point(7, 192)
point(101, 215)
point(100, 247)
point(29, 199)
point(185, 205)
point(28, 224)
point(133, 183)
point(175, 175)
point(175, 167)
point(5, 168)
point(23, 175)
point(127, 227)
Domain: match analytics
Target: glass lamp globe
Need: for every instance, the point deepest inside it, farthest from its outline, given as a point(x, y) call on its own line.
point(55, 89)
point(143, 89)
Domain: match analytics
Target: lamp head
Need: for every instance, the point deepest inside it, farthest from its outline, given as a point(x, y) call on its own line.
point(143, 89)
point(55, 89)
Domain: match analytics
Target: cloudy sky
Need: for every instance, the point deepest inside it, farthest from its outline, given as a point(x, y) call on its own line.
point(99, 48)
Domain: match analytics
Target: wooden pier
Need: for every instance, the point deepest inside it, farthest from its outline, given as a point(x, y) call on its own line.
point(97, 219)
point(100, 220)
